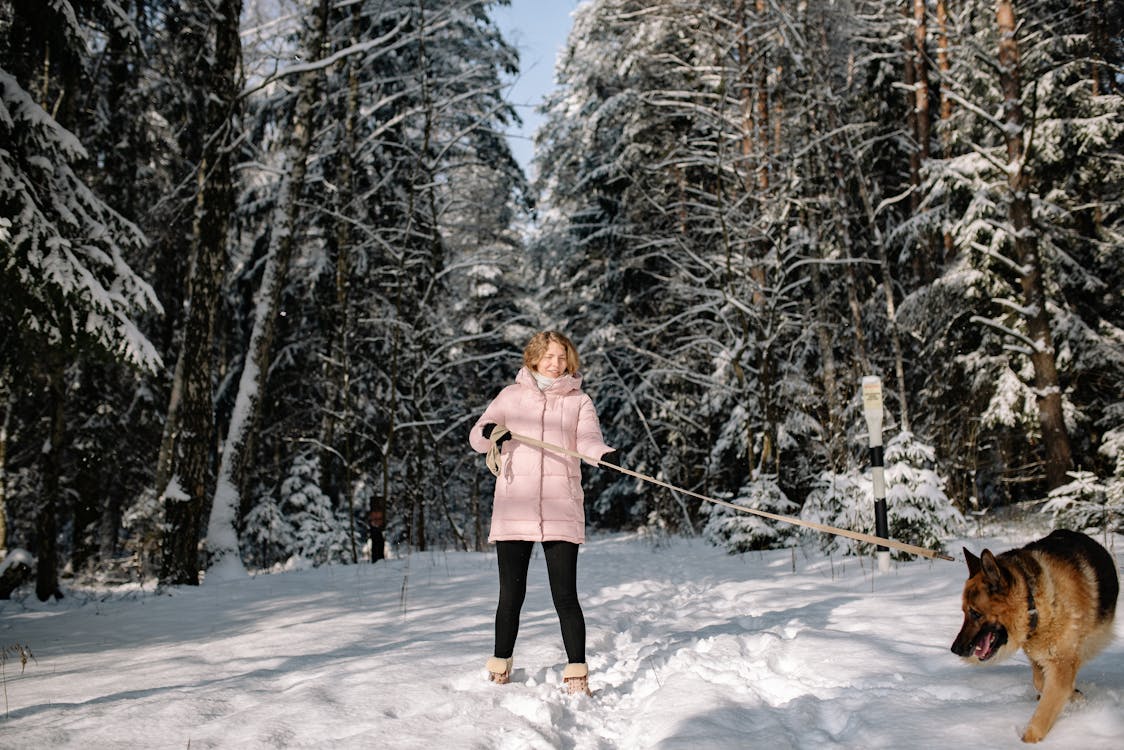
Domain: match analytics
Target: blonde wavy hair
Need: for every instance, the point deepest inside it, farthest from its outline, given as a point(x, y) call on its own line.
point(537, 346)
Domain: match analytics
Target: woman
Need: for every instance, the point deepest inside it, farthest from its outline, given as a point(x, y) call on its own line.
point(539, 495)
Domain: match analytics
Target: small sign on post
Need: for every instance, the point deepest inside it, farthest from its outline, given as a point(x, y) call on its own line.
point(872, 409)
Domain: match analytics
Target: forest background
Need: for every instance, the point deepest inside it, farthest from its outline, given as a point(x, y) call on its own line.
point(265, 262)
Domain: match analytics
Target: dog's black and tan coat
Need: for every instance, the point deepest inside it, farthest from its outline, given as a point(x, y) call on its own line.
point(1055, 599)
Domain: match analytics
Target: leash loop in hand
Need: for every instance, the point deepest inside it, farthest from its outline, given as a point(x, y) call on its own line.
point(495, 457)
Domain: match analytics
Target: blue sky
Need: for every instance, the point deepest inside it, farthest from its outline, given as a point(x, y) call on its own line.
point(538, 29)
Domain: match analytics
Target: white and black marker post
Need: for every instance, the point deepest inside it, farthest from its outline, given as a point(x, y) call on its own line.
point(872, 408)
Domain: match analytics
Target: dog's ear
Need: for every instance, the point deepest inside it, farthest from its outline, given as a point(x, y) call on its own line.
point(973, 562)
point(993, 574)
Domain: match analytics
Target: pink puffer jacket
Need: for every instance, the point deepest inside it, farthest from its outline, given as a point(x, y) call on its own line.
point(539, 494)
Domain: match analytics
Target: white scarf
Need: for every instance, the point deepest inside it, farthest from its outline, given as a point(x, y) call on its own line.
point(543, 381)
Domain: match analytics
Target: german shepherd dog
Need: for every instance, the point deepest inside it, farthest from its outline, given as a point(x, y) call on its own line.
point(1055, 598)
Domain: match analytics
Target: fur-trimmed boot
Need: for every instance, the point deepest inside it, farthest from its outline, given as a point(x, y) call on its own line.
point(499, 670)
point(576, 679)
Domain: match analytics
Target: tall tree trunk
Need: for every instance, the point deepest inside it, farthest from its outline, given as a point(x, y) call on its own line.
point(754, 94)
point(1028, 256)
point(46, 522)
point(928, 246)
point(1101, 39)
point(921, 74)
point(944, 66)
point(824, 322)
point(170, 433)
point(336, 423)
point(5, 423)
point(109, 519)
point(909, 79)
point(175, 277)
point(755, 155)
point(222, 535)
point(189, 468)
point(389, 444)
point(427, 201)
point(476, 512)
point(755, 128)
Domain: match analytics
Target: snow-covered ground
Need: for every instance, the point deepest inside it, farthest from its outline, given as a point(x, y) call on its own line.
point(688, 648)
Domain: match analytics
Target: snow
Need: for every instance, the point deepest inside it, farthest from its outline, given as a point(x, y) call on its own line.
point(688, 648)
point(175, 491)
point(16, 557)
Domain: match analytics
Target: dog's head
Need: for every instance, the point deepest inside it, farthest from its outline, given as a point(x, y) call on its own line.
point(991, 608)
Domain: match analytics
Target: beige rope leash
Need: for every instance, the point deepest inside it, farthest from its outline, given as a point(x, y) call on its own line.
point(494, 459)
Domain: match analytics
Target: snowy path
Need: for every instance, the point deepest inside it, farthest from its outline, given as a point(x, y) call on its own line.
point(688, 648)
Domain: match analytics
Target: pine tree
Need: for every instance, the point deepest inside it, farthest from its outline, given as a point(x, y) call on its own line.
point(69, 291)
point(1022, 293)
point(737, 531)
point(918, 510)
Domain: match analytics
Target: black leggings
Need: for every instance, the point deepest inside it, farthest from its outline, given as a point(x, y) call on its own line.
point(562, 569)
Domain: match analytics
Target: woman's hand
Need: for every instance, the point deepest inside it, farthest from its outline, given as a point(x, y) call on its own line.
point(487, 430)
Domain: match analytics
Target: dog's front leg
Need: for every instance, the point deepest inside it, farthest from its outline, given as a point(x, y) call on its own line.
point(1058, 683)
point(1036, 675)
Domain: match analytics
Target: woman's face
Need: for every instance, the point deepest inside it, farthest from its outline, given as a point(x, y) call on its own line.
point(553, 362)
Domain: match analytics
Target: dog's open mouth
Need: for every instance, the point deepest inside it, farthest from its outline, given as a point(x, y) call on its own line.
point(988, 643)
